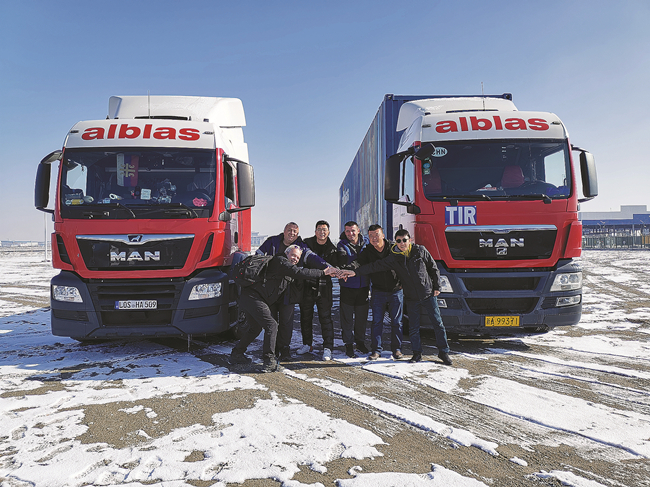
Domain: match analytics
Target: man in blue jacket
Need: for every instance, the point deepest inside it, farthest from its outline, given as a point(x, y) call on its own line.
point(354, 292)
point(420, 278)
point(276, 245)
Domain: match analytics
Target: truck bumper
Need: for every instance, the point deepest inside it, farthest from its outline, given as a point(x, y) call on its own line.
point(96, 317)
point(522, 294)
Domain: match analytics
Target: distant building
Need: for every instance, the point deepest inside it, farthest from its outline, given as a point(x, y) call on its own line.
point(627, 228)
point(257, 239)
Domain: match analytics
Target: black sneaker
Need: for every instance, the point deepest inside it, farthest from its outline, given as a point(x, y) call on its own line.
point(349, 350)
point(417, 357)
point(238, 358)
point(444, 356)
point(270, 365)
point(362, 348)
point(284, 355)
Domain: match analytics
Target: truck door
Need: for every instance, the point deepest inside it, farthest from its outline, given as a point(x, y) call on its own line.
point(230, 201)
point(401, 218)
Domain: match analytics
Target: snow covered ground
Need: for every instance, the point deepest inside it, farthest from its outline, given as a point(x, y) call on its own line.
point(570, 407)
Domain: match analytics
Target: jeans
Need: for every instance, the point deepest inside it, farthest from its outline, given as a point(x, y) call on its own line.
point(378, 303)
point(430, 304)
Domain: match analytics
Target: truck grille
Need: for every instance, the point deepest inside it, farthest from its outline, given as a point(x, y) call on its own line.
point(507, 242)
point(105, 293)
point(501, 283)
point(502, 306)
point(134, 252)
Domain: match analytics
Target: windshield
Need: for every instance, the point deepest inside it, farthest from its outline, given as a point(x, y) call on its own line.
point(486, 169)
point(138, 183)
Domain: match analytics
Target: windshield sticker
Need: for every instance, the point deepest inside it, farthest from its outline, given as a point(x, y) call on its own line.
point(127, 170)
point(460, 215)
point(145, 194)
point(439, 152)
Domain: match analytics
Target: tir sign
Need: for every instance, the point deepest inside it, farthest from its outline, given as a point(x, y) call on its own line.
point(460, 215)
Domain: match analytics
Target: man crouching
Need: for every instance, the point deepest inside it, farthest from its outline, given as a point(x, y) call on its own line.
point(260, 301)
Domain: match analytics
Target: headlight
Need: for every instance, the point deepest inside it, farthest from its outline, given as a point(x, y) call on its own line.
point(442, 303)
point(205, 291)
point(66, 293)
point(567, 282)
point(445, 285)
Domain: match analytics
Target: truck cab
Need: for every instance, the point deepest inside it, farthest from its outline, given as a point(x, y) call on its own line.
point(151, 206)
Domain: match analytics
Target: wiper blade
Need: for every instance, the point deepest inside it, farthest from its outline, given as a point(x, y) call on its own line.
point(465, 197)
point(537, 196)
point(173, 208)
point(95, 213)
point(115, 204)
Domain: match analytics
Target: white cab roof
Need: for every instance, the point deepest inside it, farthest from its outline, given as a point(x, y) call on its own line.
point(223, 112)
point(413, 109)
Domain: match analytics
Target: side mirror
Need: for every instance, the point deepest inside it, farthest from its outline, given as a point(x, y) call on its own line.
point(392, 177)
point(425, 151)
point(413, 209)
point(589, 177)
point(42, 184)
point(245, 186)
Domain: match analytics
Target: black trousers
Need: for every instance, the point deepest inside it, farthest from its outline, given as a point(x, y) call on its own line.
point(323, 302)
point(260, 316)
point(354, 314)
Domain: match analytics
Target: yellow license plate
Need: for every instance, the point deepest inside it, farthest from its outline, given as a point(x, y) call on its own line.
point(502, 321)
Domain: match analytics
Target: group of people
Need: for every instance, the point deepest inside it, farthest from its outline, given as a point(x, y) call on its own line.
point(373, 274)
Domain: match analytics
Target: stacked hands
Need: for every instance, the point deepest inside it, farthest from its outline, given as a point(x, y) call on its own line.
point(339, 273)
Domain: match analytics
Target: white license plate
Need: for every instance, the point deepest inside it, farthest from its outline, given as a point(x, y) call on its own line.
point(140, 304)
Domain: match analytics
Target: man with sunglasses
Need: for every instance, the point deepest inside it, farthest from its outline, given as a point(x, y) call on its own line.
point(420, 278)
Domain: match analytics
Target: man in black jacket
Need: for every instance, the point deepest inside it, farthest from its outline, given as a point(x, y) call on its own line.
point(318, 292)
point(420, 278)
point(259, 300)
point(385, 290)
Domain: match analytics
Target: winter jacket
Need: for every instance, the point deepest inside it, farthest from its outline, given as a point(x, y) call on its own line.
point(279, 273)
point(418, 272)
point(327, 252)
point(385, 281)
point(275, 246)
point(347, 254)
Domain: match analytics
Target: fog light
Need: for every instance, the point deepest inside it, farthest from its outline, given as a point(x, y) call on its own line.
point(568, 300)
point(442, 303)
point(205, 291)
point(68, 294)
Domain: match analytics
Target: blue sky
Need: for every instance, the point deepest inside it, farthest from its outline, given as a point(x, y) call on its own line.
point(311, 76)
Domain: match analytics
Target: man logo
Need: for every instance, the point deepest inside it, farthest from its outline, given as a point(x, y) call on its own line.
point(135, 256)
point(135, 238)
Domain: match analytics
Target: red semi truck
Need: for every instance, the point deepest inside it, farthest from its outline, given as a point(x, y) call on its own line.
point(492, 193)
point(152, 205)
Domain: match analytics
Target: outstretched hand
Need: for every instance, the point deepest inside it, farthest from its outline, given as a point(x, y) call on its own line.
point(338, 273)
point(344, 274)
